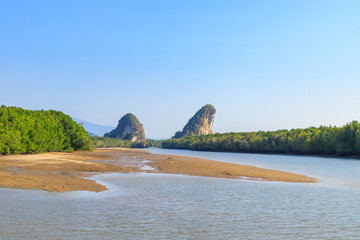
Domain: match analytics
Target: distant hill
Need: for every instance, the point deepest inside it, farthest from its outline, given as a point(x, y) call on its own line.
point(94, 128)
point(128, 128)
point(91, 134)
point(200, 124)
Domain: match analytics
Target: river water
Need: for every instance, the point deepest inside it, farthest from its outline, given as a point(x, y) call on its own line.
point(160, 206)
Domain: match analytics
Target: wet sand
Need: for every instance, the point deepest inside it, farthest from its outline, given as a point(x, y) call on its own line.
point(59, 172)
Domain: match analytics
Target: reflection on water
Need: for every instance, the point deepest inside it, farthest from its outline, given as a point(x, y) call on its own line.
point(159, 206)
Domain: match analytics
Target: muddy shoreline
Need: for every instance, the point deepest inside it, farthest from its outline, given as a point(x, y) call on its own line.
point(60, 172)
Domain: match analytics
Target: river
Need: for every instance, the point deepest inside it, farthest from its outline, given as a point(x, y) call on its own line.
point(160, 206)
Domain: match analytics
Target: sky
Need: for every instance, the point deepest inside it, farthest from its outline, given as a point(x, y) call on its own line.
point(264, 65)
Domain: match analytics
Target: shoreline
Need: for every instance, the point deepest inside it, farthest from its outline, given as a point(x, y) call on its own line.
point(354, 157)
point(60, 172)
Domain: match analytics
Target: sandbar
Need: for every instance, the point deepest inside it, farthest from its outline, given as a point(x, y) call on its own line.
point(60, 172)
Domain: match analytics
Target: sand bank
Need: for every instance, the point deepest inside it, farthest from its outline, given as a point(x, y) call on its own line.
point(59, 172)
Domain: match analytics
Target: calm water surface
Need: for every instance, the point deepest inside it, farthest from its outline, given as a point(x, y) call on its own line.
point(159, 206)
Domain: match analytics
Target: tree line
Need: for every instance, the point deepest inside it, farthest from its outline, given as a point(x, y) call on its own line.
point(154, 143)
point(107, 142)
point(342, 141)
point(27, 131)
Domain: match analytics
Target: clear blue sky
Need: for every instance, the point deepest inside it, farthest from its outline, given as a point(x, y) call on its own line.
point(264, 65)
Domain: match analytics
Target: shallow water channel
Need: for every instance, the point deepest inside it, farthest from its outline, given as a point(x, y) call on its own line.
point(160, 206)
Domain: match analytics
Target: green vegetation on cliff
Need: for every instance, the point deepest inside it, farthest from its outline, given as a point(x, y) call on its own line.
point(128, 128)
point(340, 141)
point(27, 131)
point(200, 124)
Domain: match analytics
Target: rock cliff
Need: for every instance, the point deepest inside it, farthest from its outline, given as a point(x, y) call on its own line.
point(200, 124)
point(128, 128)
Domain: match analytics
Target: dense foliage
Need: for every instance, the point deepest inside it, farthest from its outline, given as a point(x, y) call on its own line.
point(323, 140)
point(128, 128)
point(105, 142)
point(204, 116)
point(154, 143)
point(27, 131)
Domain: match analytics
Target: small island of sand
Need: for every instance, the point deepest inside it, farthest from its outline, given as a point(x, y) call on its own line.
point(59, 171)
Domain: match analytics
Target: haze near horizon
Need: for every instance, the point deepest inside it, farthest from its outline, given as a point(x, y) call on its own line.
point(264, 65)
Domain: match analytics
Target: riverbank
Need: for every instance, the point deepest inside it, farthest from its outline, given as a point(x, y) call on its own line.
point(357, 156)
point(60, 172)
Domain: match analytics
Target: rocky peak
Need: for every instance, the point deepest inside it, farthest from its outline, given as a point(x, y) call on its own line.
point(200, 124)
point(128, 128)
